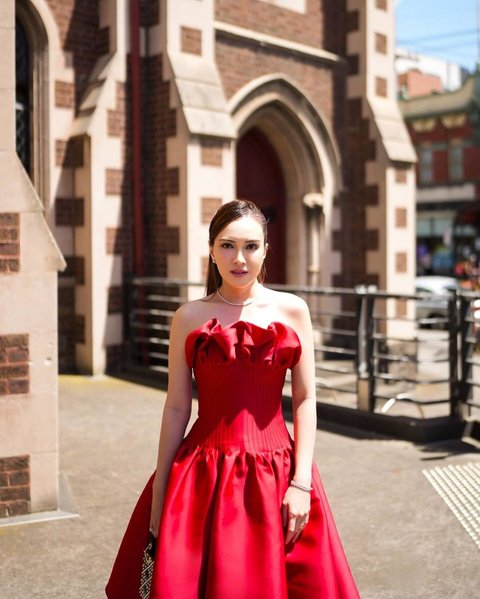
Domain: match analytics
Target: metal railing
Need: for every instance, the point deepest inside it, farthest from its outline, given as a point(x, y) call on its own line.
point(373, 351)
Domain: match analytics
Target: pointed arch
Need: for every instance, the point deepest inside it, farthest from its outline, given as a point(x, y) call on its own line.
point(310, 161)
point(43, 40)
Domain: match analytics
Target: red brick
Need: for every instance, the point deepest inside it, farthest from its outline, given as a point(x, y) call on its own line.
point(13, 265)
point(70, 212)
point(9, 219)
point(18, 386)
point(381, 45)
point(381, 4)
point(69, 153)
point(115, 299)
point(401, 262)
point(401, 309)
point(190, 40)
point(16, 341)
point(13, 493)
point(13, 371)
point(14, 508)
point(17, 355)
point(103, 41)
point(401, 175)
point(400, 217)
point(19, 478)
point(9, 249)
point(211, 152)
point(3, 479)
point(14, 463)
point(208, 207)
point(114, 181)
point(381, 87)
point(64, 94)
point(306, 28)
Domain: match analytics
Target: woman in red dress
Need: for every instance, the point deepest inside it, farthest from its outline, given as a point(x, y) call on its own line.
point(237, 506)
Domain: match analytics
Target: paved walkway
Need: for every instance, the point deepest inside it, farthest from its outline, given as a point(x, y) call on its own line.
point(402, 540)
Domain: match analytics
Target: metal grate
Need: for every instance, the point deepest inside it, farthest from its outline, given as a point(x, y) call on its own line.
point(459, 487)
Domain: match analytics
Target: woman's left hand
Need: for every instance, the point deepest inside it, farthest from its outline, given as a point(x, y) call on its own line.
point(295, 513)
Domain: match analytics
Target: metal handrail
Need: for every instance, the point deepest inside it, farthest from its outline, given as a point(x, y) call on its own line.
point(353, 328)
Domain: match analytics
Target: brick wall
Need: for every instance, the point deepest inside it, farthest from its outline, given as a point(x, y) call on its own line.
point(14, 367)
point(9, 243)
point(78, 26)
point(305, 28)
point(14, 486)
point(159, 123)
point(240, 63)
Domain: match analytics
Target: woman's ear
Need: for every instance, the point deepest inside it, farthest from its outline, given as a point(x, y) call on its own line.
point(266, 250)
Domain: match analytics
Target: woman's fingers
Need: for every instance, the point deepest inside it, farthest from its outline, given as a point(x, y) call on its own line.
point(284, 515)
point(296, 524)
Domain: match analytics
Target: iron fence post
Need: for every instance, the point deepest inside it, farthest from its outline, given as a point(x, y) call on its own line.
point(363, 360)
point(466, 351)
point(453, 356)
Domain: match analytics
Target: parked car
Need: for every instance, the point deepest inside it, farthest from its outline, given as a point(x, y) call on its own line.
point(435, 307)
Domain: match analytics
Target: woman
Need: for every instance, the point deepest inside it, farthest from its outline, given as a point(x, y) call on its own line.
point(239, 510)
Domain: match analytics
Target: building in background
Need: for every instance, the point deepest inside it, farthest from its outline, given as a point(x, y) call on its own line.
point(420, 74)
point(137, 119)
point(445, 130)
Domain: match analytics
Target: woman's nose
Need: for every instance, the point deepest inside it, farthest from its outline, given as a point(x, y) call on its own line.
point(239, 259)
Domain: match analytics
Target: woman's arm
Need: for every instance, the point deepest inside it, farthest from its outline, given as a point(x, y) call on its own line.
point(296, 503)
point(176, 413)
point(304, 399)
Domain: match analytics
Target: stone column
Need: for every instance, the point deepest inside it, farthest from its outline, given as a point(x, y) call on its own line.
point(383, 189)
point(29, 261)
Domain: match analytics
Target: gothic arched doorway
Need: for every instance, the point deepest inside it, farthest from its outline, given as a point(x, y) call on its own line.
point(260, 179)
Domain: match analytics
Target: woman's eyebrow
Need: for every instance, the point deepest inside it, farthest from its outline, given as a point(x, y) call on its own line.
point(234, 240)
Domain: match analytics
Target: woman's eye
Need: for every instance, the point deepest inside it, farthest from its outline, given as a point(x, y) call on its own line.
point(226, 244)
point(252, 246)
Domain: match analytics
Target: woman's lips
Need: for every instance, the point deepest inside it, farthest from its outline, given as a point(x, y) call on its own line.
point(239, 272)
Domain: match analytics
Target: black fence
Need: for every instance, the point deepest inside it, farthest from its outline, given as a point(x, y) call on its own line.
point(381, 358)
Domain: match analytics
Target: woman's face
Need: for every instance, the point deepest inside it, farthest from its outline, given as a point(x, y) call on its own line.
point(239, 250)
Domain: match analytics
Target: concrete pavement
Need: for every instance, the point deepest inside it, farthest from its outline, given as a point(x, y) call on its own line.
point(402, 540)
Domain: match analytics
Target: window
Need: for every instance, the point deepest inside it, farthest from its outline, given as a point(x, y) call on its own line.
point(455, 163)
point(32, 96)
point(23, 91)
point(425, 165)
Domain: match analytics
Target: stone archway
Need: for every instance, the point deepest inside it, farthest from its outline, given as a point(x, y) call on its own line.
point(296, 135)
point(260, 179)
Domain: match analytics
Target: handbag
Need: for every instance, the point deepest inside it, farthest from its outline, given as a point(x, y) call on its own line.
point(146, 573)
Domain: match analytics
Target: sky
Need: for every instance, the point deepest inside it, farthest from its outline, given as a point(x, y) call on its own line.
point(443, 28)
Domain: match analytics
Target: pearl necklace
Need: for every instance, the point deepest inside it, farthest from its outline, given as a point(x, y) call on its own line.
point(247, 303)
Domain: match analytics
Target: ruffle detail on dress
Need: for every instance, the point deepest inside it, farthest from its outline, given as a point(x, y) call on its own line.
point(276, 346)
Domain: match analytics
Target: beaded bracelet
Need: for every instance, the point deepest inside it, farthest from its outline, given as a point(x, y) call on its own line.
point(293, 483)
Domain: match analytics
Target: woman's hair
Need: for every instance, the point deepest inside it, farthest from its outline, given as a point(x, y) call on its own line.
point(224, 216)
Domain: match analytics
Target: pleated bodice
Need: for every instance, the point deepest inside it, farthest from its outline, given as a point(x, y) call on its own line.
point(240, 371)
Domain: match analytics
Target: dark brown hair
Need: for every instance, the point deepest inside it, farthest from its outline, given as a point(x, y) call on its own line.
point(224, 216)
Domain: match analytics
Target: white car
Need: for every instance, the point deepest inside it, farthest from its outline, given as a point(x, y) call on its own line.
point(436, 307)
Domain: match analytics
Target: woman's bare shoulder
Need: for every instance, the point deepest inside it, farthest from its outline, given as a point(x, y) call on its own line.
point(191, 314)
point(289, 304)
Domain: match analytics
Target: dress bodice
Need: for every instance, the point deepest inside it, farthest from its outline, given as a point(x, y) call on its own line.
point(240, 371)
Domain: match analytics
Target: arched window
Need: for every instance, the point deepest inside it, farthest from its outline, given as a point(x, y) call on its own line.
point(23, 95)
point(32, 96)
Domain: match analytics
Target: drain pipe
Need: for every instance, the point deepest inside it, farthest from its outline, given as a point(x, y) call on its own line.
point(136, 130)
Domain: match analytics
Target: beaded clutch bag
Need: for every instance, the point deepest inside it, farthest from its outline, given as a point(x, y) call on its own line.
point(147, 568)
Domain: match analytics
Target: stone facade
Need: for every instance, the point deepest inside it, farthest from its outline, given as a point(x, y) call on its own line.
point(29, 261)
point(313, 80)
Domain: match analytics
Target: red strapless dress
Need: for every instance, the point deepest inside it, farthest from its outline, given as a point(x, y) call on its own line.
point(221, 534)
